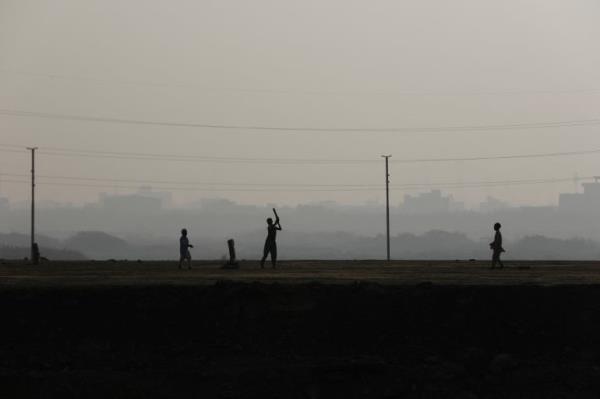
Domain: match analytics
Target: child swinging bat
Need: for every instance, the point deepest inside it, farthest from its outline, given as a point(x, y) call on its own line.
point(270, 242)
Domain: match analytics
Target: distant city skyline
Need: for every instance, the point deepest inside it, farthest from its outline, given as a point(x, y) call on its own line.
point(419, 201)
point(149, 214)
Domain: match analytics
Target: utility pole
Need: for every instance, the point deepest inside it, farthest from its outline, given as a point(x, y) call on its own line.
point(32, 149)
point(387, 202)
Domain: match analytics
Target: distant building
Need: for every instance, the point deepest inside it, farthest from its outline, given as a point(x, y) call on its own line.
point(49, 204)
point(134, 203)
point(431, 202)
point(492, 204)
point(588, 201)
point(165, 197)
point(216, 204)
point(4, 204)
point(145, 199)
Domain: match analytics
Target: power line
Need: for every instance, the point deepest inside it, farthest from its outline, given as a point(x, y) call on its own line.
point(291, 129)
point(501, 157)
point(54, 151)
point(194, 183)
point(13, 151)
point(335, 93)
point(190, 188)
point(203, 159)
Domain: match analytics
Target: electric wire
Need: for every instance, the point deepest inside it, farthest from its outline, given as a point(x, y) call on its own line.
point(280, 91)
point(308, 129)
point(54, 151)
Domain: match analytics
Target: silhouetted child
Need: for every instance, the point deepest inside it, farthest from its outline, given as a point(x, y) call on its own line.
point(184, 249)
point(270, 243)
point(496, 246)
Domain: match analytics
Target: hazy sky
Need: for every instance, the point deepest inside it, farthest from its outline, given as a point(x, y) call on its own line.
point(323, 64)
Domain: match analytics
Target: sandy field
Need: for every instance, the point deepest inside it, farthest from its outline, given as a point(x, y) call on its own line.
point(326, 272)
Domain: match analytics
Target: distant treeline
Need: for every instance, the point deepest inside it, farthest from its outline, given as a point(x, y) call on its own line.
point(9, 252)
point(434, 244)
point(219, 218)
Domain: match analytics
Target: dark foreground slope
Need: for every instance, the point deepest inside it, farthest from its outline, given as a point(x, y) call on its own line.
point(308, 340)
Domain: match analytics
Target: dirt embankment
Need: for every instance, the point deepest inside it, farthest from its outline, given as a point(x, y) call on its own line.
point(301, 341)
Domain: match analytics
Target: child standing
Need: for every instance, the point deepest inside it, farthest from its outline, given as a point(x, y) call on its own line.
point(184, 249)
point(496, 247)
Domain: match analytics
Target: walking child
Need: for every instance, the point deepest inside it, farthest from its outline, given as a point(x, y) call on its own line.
point(496, 247)
point(184, 249)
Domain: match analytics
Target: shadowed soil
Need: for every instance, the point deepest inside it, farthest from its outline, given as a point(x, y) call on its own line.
point(111, 273)
point(298, 339)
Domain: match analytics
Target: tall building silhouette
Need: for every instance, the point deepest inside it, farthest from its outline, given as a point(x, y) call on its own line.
point(588, 201)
